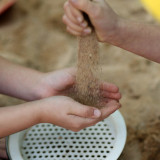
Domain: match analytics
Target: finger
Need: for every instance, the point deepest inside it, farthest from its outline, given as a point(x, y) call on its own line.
point(73, 14)
point(83, 5)
point(83, 111)
point(3, 154)
point(74, 28)
point(72, 25)
point(110, 95)
point(72, 71)
point(70, 30)
point(110, 107)
point(80, 123)
point(85, 32)
point(104, 101)
point(109, 87)
point(78, 16)
point(69, 13)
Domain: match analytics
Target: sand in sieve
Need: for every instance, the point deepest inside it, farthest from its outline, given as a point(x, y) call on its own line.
point(87, 86)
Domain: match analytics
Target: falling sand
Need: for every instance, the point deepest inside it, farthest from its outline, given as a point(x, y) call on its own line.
point(87, 87)
point(137, 78)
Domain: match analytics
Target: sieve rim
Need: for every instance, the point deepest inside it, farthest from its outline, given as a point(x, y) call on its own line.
point(119, 125)
point(16, 138)
point(122, 135)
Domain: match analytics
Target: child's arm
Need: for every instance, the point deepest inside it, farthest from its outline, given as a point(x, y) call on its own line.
point(59, 110)
point(141, 39)
point(28, 84)
point(18, 81)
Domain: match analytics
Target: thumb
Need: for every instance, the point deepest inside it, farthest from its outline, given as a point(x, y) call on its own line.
point(83, 5)
point(84, 111)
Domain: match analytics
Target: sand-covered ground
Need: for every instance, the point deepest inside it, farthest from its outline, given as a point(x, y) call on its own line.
point(32, 34)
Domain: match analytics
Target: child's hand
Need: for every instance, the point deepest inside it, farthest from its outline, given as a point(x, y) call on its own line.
point(58, 110)
point(58, 82)
point(67, 113)
point(37, 85)
point(103, 18)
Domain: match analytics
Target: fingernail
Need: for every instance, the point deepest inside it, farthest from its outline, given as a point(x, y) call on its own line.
point(79, 19)
point(84, 24)
point(97, 113)
point(87, 30)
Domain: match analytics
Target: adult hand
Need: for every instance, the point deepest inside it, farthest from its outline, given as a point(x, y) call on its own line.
point(102, 17)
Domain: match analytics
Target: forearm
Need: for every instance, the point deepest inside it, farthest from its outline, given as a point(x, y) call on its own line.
point(141, 39)
point(18, 81)
point(17, 118)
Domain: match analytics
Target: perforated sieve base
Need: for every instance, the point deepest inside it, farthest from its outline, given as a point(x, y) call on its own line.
point(46, 141)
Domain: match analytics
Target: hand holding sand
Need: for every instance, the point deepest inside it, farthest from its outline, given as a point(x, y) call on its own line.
point(61, 81)
point(102, 17)
point(41, 85)
point(137, 37)
point(58, 110)
point(67, 113)
point(38, 85)
point(87, 88)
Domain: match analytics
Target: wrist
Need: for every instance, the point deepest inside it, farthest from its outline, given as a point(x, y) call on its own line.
point(42, 89)
point(115, 34)
point(45, 108)
point(38, 111)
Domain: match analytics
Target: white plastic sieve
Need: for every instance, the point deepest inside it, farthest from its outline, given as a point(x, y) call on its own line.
point(104, 141)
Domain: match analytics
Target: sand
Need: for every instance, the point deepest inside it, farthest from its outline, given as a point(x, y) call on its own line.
point(87, 86)
point(32, 34)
